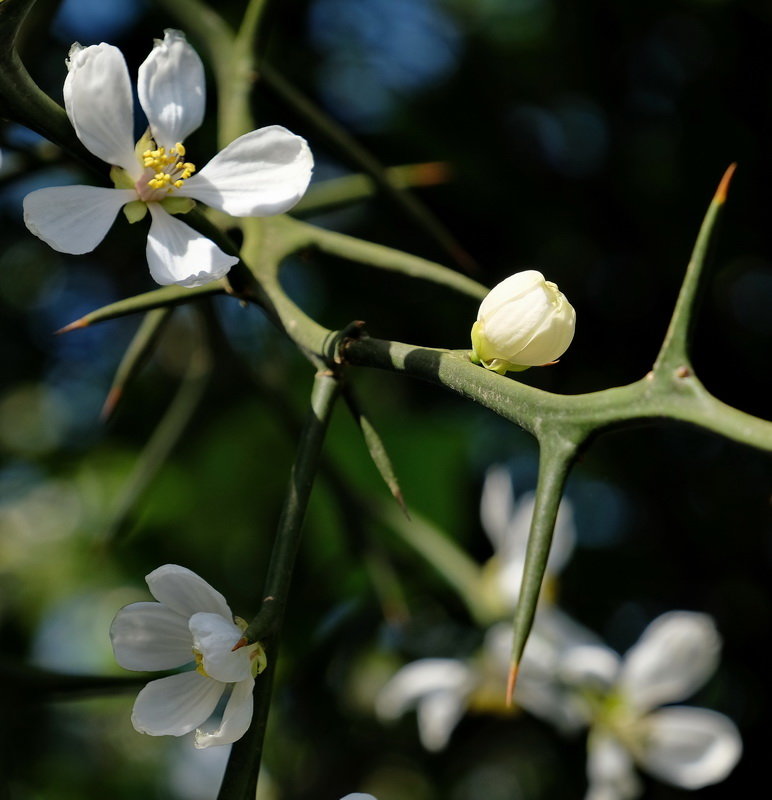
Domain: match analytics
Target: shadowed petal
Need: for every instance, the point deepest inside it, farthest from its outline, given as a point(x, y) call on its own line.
point(148, 636)
point(673, 658)
point(214, 637)
point(97, 96)
point(178, 254)
point(235, 718)
point(610, 769)
point(185, 592)
point(175, 705)
point(171, 89)
point(415, 681)
point(74, 219)
point(261, 173)
point(690, 747)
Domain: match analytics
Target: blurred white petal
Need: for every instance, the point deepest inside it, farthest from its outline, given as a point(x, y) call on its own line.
point(438, 714)
point(214, 637)
point(175, 705)
point(438, 687)
point(497, 505)
point(150, 636)
point(674, 657)
point(185, 592)
point(261, 173)
point(689, 747)
point(235, 718)
point(610, 770)
point(171, 89)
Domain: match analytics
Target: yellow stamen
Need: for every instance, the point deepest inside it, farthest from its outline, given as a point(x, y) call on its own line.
point(170, 171)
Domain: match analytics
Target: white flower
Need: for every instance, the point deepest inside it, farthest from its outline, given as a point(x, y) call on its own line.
point(191, 623)
point(261, 173)
point(620, 698)
point(508, 525)
point(523, 322)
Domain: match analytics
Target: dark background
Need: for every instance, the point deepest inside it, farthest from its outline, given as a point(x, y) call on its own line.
point(584, 140)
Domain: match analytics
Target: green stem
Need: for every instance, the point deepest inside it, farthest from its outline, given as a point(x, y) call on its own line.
point(350, 149)
point(240, 780)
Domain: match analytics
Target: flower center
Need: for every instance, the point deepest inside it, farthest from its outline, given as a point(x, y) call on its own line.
point(166, 172)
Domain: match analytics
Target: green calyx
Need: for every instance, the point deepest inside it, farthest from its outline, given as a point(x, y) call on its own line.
point(135, 211)
point(178, 205)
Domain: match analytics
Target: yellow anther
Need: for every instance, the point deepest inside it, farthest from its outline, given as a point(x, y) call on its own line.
point(178, 184)
point(180, 149)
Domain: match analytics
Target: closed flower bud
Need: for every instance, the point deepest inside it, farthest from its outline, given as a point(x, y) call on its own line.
point(524, 322)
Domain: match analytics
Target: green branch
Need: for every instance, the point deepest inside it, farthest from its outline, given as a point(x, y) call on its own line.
point(240, 780)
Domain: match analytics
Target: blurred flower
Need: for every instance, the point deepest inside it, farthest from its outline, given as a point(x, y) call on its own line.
point(508, 524)
point(191, 621)
point(358, 796)
point(261, 173)
point(523, 322)
point(620, 698)
point(442, 690)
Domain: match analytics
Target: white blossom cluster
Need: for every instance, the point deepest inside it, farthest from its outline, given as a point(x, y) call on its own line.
point(571, 680)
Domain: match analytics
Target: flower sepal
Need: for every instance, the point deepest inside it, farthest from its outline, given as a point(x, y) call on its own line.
point(178, 205)
point(135, 211)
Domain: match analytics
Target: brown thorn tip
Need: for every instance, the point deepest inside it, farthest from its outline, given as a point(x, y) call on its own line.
point(723, 187)
point(511, 681)
point(111, 401)
point(73, 326)
point(242, 642)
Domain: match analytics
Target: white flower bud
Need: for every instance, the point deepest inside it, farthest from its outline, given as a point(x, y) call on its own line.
point(523, 322)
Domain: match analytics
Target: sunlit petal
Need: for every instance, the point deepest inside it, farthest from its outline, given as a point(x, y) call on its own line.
point(185, 592)
point(74, 219)
point(149, 636)
point(171, 89)
point(178, 254)
point(97, 96)
point(214, 637)
point(673, 658)
point(175, 705)
point(689, 747)
point(235, 718)
point(261, 173)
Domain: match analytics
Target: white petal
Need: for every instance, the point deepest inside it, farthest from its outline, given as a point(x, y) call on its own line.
point(235, 718)
point(673, 658)
point(261, 173)
point(358, 796)
point(178, 254)
point(214, 637)
point(417, 680)
point(610, 769)
point(175, 705)
point(74, 219)
point(171, 89)
point(497, 505)
point(438, 714)
point(97, 96)
point(185, 592)
point(560, 651)
point(148, 636)
point(690, 747)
